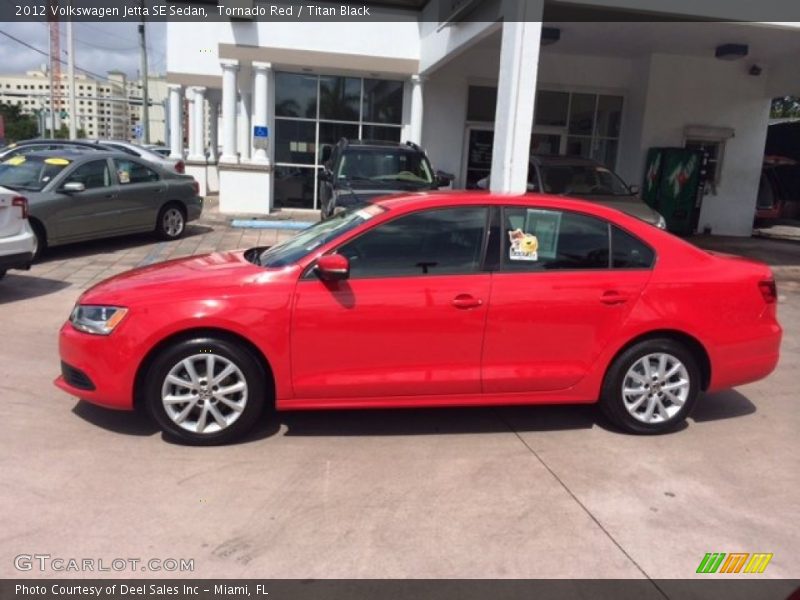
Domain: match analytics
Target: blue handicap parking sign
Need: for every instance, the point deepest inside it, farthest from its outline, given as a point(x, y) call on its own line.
point(261, 132)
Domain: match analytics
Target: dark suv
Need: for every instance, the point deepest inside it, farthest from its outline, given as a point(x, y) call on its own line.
point(358, 171)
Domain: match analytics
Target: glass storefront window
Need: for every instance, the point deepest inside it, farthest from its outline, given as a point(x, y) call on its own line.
point(383, 101)
point(294, 187)
point(295, 141)
point(581, 114)
point(481, 103)
point(551, 108)
point(295, 95)
point(339, 98)
point(313, 111)
point(609, 116)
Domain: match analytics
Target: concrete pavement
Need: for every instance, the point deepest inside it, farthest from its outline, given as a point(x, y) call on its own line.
point(521, 492)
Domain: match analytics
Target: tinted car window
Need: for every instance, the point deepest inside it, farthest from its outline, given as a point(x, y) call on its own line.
point(629, 252)
point(537, 239)
point(130, 171)
point(434, 242)
point(93, 174)
point(582, 180)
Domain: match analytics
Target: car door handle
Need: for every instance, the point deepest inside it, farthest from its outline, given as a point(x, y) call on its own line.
point(613, 297)
point(466, 301)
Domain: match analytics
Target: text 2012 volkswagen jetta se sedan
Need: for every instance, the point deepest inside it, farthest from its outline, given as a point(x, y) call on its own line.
point(428, 300)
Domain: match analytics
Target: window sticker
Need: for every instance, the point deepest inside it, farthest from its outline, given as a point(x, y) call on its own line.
point(124, 176)
point(544, 224)
point(524, 246)
point(15, 161)
point(56, 161)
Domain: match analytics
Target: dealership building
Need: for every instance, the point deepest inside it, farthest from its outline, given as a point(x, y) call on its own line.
point(481, 86)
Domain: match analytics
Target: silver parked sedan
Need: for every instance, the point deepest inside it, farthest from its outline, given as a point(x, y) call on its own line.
point(74, 196)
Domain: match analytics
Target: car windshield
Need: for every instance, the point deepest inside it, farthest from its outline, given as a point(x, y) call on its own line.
point(384, 165)
point(315, 236)
point(582, 180)
point(31, 173)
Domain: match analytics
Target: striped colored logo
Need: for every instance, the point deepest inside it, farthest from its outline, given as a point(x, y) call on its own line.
point(735, 562)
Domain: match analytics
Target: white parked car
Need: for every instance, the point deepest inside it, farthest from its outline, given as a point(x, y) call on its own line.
point(146, 154)
point(17, 241)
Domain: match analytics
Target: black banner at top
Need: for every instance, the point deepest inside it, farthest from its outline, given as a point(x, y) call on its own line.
point(441, 12)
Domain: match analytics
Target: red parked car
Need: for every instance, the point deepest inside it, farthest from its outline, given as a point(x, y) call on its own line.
point(428, 300)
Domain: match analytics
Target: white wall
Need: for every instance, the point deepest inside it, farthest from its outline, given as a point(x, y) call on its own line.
point(704, 91)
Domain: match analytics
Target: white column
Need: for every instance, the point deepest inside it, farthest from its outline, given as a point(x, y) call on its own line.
point(229, 68)
point(197, 141)
point(516, 93)
point(260, 105)
point(415, 133)
point(175, 121)
point(244, 125)
point(213, 119)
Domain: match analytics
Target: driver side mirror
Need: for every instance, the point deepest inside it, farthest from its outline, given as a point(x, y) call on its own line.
point(443, 179)
point(73, 187)
point(634, 189)
point(333, 267)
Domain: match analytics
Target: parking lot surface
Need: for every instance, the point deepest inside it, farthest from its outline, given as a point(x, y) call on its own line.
point(523, 492)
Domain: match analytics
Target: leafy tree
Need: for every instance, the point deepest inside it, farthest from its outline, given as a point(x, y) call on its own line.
point(62, 133)
point(785, 107)
point(19, 126)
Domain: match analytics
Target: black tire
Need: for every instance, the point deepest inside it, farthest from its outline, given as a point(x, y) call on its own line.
point(612, 400)
point(41, 240)
point(199, 349)
point(171, 221)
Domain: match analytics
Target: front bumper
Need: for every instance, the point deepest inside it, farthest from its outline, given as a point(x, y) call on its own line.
point(96, 368)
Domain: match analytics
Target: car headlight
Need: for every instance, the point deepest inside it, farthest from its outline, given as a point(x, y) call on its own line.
point(662, 222)
point(99, 320)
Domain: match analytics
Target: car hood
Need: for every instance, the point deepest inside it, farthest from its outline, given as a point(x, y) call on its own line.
point(627, 204)
point(175, 279)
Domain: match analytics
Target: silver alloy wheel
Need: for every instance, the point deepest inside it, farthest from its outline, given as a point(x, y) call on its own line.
point(204, 393)
point(172, 222)
point(655, 388)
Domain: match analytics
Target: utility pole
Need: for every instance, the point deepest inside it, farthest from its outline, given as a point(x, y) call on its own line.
point(144, 76)
point(73, 113)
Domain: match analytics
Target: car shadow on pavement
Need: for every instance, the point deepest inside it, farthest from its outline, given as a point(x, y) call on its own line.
point(117, 421)
point(113, 244)
point(727, 404)
point(15, 287)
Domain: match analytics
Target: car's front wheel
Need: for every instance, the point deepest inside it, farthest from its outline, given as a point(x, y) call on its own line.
point(651, 387)
point(205, 391)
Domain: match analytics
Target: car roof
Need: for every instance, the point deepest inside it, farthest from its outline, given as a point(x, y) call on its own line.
point(35, 141)
point(75, 155)
point(384, 144)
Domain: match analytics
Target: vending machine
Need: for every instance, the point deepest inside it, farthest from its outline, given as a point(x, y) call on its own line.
point(674, 184)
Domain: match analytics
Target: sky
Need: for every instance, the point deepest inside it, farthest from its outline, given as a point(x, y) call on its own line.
point(99, 47)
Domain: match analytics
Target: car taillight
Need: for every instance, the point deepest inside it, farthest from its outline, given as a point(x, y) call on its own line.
point(196, 186)
point(180, 167)
point(22, 202)
point(768, 290)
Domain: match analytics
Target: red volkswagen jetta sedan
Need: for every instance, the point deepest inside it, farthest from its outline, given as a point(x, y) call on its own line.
point(428, 300)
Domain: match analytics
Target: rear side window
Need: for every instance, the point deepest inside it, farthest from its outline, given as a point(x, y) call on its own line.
point(130, 171)
point(539, 239)
point(629, 252)
point(434, 242)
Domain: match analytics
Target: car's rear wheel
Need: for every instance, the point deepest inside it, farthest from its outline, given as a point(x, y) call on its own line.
point(651, 387)
point(39, 239)
point(171, 222)
point(205, 391)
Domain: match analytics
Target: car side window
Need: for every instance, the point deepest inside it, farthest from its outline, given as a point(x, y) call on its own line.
point(93, 174)
point(129, 171)
point(538, 239)
point(434, 242)
point(629, 252)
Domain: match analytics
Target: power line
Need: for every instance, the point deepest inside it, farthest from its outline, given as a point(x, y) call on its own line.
point(43, 53)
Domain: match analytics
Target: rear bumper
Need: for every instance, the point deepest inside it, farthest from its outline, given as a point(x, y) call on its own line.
point(746, 362)
point(194, 209)
point(16, 251)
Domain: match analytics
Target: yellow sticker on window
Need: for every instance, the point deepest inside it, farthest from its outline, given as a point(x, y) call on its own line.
point(524, 246)
point(14, 161)
point(56, 161)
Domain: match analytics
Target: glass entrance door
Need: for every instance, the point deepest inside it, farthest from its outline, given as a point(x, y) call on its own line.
point(478, 155)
